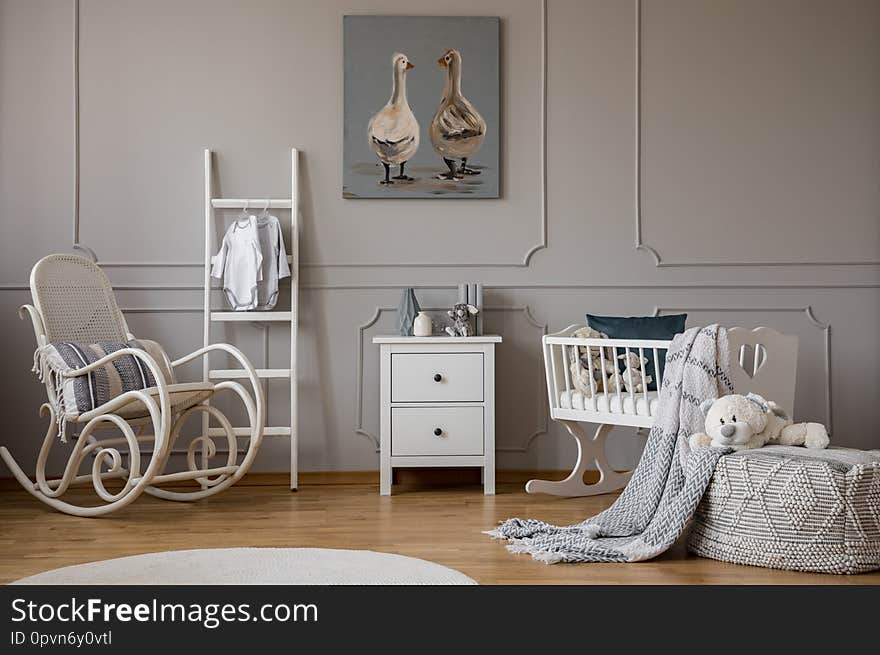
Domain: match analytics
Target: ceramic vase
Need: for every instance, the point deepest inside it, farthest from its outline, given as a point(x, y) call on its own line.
point(406, 312)
point(423, 326)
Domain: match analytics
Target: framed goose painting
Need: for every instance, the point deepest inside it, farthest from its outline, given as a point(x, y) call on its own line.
point(422, 115)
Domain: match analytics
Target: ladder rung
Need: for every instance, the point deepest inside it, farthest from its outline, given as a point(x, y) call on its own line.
point(251, 316)
point(238, 373)
point(246, 432)
point(253, 203)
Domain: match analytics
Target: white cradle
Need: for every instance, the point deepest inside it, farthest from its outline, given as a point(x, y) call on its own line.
point(762, 361)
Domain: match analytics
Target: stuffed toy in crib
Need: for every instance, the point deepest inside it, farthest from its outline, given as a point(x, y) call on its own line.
point(634, 377)
point(579, 366)
point(744, 422)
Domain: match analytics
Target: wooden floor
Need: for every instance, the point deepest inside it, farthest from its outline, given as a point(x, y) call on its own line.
point(440, 524)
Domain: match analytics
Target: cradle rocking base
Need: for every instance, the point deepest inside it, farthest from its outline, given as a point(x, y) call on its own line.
point(591, 450)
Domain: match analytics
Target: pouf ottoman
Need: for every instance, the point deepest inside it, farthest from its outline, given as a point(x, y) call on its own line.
point(787, 507)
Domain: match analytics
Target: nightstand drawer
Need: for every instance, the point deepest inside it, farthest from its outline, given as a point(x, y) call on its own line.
point(414, 431)
point(436, 377)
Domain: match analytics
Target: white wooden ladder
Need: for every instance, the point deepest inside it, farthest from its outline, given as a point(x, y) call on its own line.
point(264, 318)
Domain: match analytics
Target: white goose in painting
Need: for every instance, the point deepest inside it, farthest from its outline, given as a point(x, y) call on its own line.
point(394, 131)
point(458, 130)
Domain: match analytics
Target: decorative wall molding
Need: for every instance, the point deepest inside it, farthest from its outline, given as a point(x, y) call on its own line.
point(523, 263)
point(150, 264)
point(545, 408)
point(526, 310)
point(162, 310)
point(686, 285)
point(549, 286)
point(370, 322)
point(640, 244)
point(198, 287)
point(359, 411)
point(811, 318)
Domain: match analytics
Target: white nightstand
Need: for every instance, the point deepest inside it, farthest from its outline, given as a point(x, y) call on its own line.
point(437, 404)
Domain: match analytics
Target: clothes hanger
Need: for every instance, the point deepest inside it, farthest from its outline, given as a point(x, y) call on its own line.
point(265, 213)
point(243, 216)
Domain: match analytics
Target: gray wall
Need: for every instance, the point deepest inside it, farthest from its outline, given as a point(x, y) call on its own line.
point(760, 161)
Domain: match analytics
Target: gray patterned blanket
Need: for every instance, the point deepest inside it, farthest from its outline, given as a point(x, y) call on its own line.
point(668, 483)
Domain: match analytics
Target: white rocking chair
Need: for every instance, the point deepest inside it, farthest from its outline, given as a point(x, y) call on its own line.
point(73, 301)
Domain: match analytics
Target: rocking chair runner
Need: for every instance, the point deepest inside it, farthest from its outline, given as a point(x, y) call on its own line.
point(74, 301)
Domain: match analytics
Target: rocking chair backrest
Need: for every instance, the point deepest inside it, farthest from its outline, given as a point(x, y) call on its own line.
point(76, 301)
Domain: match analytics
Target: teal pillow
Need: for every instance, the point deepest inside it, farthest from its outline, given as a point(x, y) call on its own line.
point(641, 327)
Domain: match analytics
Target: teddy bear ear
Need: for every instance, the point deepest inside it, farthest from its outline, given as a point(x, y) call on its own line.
point(706, 405)
point(776, 409)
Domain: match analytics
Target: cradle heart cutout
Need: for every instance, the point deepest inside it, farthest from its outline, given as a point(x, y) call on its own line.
point(752, 358)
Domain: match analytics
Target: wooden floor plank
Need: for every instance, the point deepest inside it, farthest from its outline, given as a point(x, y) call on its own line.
point(440, 524)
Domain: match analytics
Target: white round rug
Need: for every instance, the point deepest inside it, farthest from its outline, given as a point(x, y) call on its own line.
point(255, 566)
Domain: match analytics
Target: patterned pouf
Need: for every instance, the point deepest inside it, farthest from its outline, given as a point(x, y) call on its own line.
point(791, 508)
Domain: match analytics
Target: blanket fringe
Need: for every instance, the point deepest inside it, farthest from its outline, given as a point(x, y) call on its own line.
point(591, 531)
point(41, 366)
point(43, 370)
point(547, 557)
point(543, 556)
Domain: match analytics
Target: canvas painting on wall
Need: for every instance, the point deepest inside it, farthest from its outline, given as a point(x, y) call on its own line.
point(422, 115)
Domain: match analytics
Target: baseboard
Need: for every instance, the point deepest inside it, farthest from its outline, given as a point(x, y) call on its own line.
point(421, 476)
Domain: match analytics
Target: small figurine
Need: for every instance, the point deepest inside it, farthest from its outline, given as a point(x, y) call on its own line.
point(461, 320)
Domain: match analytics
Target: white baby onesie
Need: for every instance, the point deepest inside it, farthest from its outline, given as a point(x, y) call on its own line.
point(274, 265)
point(239, 264)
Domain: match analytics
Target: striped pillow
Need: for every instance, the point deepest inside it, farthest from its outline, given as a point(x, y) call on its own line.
point(83, 393)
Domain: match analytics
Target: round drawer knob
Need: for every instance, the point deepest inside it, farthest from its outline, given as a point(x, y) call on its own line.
point(437, 377)
point(437, 432)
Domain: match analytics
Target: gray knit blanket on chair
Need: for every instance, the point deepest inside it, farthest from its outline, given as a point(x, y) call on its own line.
point(668, 483)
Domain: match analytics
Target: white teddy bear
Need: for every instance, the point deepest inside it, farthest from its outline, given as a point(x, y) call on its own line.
point(634, 379)
point(744, 422)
